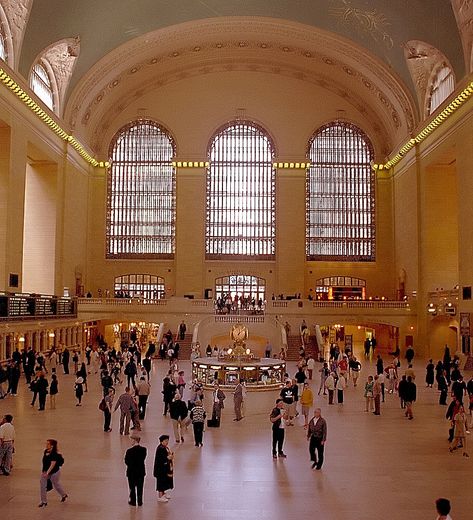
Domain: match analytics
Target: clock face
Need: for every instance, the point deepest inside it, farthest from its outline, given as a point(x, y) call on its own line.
point(239, 332)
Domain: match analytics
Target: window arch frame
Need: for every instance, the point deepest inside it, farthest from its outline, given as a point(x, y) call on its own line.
point(171, 237)
point(241, 280)
point(435, 86)
point(371, 210)
point(51, 87)
point(139, 283)
point(7, 39)
point(219, 133)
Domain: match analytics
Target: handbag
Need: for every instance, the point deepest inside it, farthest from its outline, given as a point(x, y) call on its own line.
point(49, 485)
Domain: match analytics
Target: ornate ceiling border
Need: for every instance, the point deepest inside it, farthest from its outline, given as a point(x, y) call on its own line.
point(230, 34)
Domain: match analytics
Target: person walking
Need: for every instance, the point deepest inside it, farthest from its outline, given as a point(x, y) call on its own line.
point(278, 419)
point(106, 407)
point(410, 397)
point(369, 395)
point(130, 372)
point(142, 391)
point(42, 390)
point(307, 401)
point(178, 412)
point(430, 374)
point(401, 390)
point(53, 391)
point(324, 373)
point(51, 470)
point(330, 386)
point(7, 444)
point(355, 367)
point(310, 366)
point(127, 405)
point(65, 361)
point(197, 417)
point(238, 401)
point(460, 429)
point(79, 390)
point(163, 469)
point(340, 385)
point(135, 470)
point(443, 388)
point(377, 391)
point(169, 391)
point(82, 372)
point(218, 396)
point(181, 383)
point(317, 436)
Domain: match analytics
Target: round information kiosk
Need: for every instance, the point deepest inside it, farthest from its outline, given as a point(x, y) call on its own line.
point(239, 363)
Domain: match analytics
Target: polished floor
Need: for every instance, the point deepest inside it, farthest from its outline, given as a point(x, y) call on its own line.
point(376, 467)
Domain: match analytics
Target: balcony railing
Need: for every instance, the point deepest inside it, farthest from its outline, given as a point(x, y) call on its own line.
point(34, 307)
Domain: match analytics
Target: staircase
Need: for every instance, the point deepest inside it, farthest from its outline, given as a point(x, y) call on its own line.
point(294, 344)
point(185, 347)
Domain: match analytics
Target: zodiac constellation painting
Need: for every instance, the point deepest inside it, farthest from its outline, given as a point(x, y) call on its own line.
point(369, 21)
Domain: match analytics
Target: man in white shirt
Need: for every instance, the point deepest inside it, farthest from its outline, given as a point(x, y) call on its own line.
point(7, 444)
point(443, 509)
point(310, 366)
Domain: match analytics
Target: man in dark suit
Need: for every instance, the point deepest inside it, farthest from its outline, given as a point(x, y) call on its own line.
point(317, 436)
point(218, 396)
point(135, 470)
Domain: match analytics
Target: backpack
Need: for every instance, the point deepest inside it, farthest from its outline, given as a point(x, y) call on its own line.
point(60, 460)
point(102, 405)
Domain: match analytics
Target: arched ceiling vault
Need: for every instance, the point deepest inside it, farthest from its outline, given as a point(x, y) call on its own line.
point(379, 26)
point(263, 45)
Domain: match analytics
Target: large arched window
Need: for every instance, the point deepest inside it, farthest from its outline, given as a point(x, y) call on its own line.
point(145, 286)
point(40, 83)
point(240, 193)
point(340, 195)
point(240, 285)
point(141, 202)
point(443, 85)
point(3, 44)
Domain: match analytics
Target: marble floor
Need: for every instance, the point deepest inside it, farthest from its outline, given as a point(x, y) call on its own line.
point(376, 467)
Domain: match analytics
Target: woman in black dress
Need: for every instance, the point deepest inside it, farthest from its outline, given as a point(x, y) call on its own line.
point(163, 468)
point(430, 374)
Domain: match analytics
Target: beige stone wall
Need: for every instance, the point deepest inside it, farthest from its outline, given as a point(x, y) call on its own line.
point(39, 239)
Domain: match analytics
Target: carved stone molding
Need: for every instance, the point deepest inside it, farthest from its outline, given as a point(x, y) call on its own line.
point(422, 61)
point(62, 56)
point(17, 13)
point(221, 40)
point(102, 119)
point(463, 10)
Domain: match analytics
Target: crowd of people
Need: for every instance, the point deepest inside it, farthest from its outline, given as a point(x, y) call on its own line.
point(183, 401)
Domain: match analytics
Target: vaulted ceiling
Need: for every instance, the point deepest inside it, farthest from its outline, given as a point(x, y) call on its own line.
point(381, 26)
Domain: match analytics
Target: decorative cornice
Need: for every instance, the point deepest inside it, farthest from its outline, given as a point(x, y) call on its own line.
point(293, 45)
point(29, 102)
point(463, 97)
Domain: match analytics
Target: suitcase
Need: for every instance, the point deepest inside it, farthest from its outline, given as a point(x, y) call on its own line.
point(213, 423)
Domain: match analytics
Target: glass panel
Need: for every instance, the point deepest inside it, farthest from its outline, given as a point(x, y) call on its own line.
point(340, 195)
point(141, 193)
point(126, 286)
point(241, 194)
point(3, 46)
point(242, 290)
point(40, 83)
point(442, 87)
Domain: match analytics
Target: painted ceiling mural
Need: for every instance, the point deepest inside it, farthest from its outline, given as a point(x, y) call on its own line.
point(381, 26)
